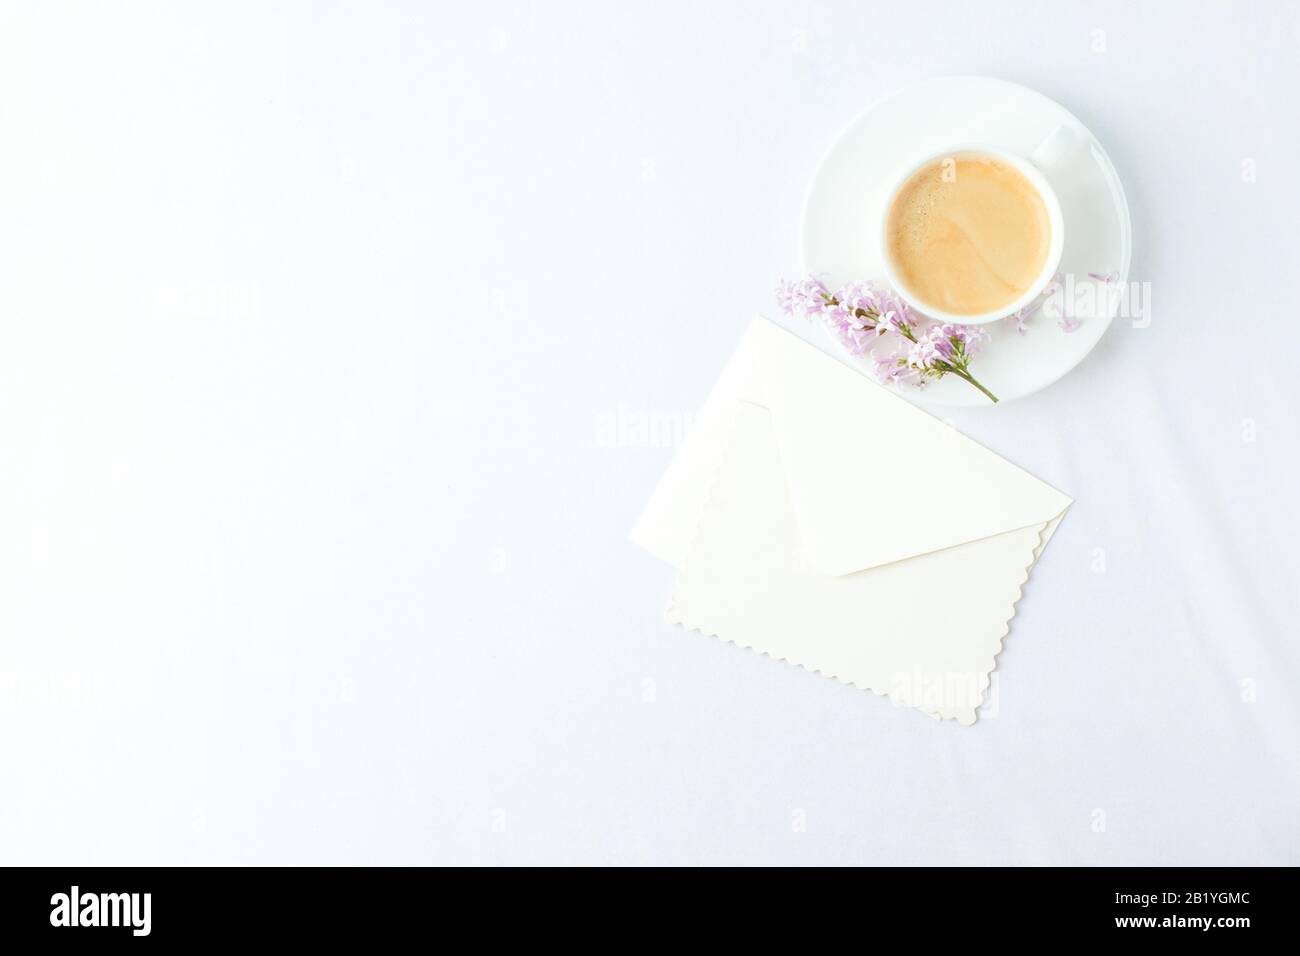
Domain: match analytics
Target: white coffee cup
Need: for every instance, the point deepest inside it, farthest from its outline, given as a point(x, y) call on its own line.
point(1052, 152)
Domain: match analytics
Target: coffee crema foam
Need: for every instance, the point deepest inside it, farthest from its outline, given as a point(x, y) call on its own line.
point(968, 234)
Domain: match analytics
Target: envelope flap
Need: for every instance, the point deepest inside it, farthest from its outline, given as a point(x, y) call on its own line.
point(886, 481)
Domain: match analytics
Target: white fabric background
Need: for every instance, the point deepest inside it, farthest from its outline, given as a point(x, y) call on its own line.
point(328, 330)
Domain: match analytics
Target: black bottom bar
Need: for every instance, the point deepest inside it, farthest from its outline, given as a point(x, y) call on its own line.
point(386, 906)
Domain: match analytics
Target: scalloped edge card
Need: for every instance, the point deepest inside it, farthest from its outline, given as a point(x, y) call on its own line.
point(781, 513)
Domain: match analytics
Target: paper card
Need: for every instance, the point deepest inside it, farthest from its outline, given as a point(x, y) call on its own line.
point(924, 631)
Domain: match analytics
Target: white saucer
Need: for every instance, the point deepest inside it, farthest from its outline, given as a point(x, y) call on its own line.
point(842, 213)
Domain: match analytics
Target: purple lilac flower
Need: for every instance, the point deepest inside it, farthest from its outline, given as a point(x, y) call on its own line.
point(886, 369)
point(892, 320)
point(955, 344)
point(859, 296)
point(923, 353)
point(855, 334)
point(973, 338)
point(803, 299)
point(877, 325)
point(894, 316)
point(895, 370)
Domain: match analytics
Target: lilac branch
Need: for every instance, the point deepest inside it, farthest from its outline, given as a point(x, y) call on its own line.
point(875, 323)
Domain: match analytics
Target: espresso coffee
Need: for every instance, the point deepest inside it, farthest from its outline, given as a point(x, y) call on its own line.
point(968, 234)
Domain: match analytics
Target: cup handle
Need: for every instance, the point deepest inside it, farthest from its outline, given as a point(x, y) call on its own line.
point(1061, 148)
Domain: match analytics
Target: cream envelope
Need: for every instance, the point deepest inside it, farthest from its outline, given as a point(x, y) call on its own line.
point(816, 517)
